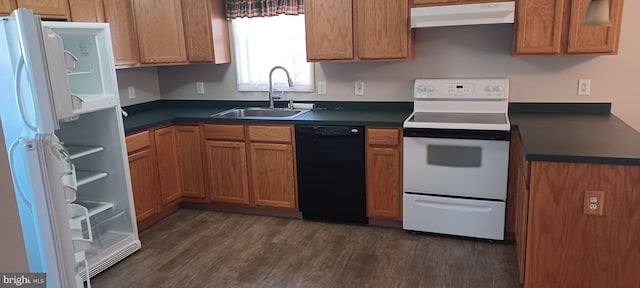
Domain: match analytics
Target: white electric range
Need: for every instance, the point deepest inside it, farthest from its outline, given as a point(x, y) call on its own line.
point(456, 155)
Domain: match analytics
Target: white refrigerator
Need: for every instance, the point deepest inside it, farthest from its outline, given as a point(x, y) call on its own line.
point(62, 123)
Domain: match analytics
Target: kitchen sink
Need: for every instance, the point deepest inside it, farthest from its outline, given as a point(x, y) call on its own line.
point(259, 113)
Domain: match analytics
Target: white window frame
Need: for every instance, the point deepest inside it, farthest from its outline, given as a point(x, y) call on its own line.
point(253, 36)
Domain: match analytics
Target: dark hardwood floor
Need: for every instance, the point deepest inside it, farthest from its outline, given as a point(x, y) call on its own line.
point(194, 248)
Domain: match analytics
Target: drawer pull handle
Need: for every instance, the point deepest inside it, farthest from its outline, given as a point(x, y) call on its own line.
point(456, 207)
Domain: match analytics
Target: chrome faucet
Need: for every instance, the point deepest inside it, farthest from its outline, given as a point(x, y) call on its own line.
point(271, 104)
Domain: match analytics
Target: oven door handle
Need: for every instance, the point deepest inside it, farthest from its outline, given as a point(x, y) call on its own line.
point(455, 207)
point(457, 134)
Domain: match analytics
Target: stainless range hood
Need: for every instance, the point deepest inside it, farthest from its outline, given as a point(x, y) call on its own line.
point(466, 14)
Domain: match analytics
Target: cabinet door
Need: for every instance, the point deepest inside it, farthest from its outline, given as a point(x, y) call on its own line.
point(86, 10)
point(539, 27)
point(329, 29)
point(227, 171)
point(7, 6)
point(206, 31)
point(588, 39)
point(48, 9)
point(273, 177)
point(522, 210)
point(190, 161)
point(382, 29)
point(160, 31)
point(144, 182)
point(168, 168)
point(384, 188)
point(119, 15)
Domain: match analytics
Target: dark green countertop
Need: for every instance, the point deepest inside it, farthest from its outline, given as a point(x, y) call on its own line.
point(390, 114)
point(581, 133)
point(577, 137)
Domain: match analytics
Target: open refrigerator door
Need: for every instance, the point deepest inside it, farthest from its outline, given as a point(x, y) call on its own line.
point(67, 152)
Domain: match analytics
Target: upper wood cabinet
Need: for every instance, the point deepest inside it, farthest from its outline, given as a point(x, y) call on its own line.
point(168, 166)
point(119, 15)
point(160, 31)
point(86, 10)
point(555, 27)
point(384, 173)
point(357, 30)
point(206, 31)
point(47, 9)
point(7, 6)
point(382, 29)
point(329, 29)
point(190, 161)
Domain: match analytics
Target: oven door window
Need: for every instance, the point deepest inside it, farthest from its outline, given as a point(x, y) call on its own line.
point(454, 156)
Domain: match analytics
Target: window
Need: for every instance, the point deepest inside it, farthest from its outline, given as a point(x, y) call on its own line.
point(261, 43)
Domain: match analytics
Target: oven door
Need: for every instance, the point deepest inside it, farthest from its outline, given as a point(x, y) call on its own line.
point(463, 163)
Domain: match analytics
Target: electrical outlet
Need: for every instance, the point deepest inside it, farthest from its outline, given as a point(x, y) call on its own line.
point(593, 202)
point(359, 88)
point(132, 92)
point(322, 87)
point(200, 88)
point(584, 87)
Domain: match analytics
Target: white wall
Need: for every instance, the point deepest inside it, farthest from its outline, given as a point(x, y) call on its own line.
point(145, 83)
point(472, 51)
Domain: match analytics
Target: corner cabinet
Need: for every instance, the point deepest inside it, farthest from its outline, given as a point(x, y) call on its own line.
point(351, 30)
point(384, 173)
point(555, 27)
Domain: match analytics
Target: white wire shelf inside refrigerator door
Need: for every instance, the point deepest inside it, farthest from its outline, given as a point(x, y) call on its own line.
point(78, 151)
point(94, 102)
point(94, 208)
point(85, 177)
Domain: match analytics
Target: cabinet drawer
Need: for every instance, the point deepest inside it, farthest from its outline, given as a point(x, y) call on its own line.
point(281, 134)
point(383, 136)
point(138, 141)
point(224, 132)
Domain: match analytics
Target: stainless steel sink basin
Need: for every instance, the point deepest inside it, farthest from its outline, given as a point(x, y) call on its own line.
point(259, 113)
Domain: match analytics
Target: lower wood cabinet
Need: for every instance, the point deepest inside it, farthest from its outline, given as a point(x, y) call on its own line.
point(168, 168)
point(191, 161)
point(251, 165)
point(144, 183)
point(227, 172)
point(384, 173)
point(560, 243)
point(273, 175)
point(155, 173)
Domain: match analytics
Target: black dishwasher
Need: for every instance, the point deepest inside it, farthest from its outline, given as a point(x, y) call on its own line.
point(331, 173)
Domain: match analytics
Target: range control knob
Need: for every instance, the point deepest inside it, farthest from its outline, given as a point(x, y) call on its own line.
point(498, 88)
point(422, 88)
point(489, 88)
point(430, 88)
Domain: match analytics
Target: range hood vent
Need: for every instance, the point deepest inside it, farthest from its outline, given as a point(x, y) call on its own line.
point(466, 14)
